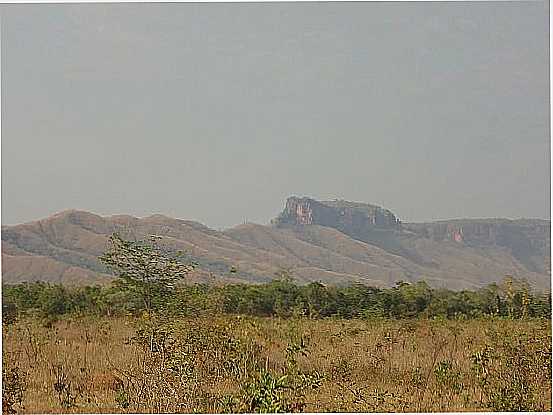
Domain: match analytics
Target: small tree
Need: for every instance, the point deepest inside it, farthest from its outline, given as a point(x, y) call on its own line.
point(144, 268)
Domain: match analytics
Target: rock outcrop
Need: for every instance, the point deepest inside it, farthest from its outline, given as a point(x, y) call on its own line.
point(361, 221)
point(528, 240)
point(339, 214)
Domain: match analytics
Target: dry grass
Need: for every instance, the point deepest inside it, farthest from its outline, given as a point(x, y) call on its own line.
point(217, 364)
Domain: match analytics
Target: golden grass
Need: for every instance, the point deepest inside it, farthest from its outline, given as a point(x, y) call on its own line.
point(88, 365)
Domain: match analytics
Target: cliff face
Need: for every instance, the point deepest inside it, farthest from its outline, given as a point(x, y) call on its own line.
point(361, 221)
point(532, 232)
point(528, 240)
point(339, 214)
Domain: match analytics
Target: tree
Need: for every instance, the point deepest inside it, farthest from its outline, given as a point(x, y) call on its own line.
point(145, 269)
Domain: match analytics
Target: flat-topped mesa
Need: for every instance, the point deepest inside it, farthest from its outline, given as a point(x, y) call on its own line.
point(339, 214)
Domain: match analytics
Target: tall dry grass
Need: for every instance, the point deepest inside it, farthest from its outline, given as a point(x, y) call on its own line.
point(246, 364)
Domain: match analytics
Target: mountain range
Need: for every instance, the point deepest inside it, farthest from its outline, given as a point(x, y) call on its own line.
point(335, 242)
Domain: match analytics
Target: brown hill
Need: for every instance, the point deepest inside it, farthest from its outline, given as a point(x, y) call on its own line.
point(378, 250)
point(65, 246)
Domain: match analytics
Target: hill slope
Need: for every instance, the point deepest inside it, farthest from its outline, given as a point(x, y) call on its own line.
point(346, 242)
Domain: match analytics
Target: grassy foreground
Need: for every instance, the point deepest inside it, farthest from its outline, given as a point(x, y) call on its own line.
point(254, 364)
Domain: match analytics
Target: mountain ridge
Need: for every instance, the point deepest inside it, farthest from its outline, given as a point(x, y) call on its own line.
point(368, 245)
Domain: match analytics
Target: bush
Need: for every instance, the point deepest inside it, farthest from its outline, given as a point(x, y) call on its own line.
point(13, 388)
point(281, 298)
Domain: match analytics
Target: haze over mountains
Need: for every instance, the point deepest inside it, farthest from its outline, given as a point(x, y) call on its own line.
point(334, 242)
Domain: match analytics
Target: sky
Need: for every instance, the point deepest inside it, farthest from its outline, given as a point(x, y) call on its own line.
point(219, 112)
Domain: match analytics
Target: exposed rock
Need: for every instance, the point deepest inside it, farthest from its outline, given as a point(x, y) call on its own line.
point(528, 240)
point(361, 221)
point(339, 214)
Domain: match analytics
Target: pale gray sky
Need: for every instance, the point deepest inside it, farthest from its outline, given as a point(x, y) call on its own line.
point(218, 112)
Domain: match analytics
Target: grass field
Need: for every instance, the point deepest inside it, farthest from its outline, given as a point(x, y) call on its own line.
point(248, 364)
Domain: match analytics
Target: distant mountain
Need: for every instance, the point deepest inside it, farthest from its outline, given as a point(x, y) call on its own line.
point(334, 242)
point(527, 241)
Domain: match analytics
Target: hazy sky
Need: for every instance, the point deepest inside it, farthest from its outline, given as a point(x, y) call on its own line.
point(218, 112)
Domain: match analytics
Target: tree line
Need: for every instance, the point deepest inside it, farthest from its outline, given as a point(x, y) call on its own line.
point(149, 279)
point(282, 298)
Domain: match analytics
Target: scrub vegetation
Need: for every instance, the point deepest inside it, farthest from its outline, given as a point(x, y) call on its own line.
point(151, 343)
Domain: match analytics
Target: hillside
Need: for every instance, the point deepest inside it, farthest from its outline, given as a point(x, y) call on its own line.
point(333, 242)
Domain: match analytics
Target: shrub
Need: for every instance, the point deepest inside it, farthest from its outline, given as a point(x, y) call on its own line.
point(13, 388)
